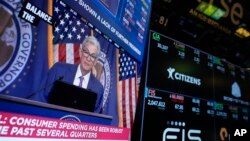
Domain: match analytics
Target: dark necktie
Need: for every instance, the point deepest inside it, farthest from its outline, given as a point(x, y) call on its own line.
point(81, 80)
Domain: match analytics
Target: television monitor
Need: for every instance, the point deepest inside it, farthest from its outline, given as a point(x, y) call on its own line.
point(187, 94)
point(76, 19)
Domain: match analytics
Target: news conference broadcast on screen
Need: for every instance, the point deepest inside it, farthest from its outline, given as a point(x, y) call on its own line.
point(102, 70)
point(46, 45)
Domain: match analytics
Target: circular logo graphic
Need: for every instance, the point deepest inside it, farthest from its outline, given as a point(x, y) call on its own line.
point(104, 75)
point(70, 118)
point(15, 43)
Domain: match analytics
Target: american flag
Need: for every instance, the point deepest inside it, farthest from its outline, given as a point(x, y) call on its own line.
point(127, 90)
point(68, 34)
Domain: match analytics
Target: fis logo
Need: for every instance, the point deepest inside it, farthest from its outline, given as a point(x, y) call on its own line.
point(174, 133)
point(151, 92)
point(182, 77)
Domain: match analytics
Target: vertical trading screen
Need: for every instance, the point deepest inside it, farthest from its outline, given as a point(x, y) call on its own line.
point(191, 95)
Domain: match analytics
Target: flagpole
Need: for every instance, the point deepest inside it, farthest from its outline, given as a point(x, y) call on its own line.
point(50, 33)
point(119, 106)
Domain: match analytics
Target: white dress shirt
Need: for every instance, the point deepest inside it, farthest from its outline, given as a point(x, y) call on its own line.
point(77, 78)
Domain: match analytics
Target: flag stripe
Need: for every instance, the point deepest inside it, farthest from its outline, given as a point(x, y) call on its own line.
point(130, 102)
point(76, 53)
point(134, 98)
point(123, 103)
point(127, 102)
point(56, 53)
point(69, 53)
point(62, 53)
point(120, 103)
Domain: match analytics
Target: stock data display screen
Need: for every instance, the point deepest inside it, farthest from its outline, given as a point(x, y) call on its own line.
point(186, 73)
point(189, 94)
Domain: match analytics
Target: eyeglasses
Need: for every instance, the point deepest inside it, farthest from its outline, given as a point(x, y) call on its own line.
point(87, 55)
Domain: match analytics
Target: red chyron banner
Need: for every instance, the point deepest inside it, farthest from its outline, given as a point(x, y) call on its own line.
point(18, 127)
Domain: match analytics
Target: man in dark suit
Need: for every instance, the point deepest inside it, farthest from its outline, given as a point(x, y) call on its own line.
point(79, 75)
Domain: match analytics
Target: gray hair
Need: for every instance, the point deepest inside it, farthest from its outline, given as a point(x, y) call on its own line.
point(93, 40)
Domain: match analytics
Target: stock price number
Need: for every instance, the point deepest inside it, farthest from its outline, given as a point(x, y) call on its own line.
point(181, 54)
point(159, 104)
point(179, 107)
point(210, 112)
point(209, 64)
point(235, 116)
point(245, 118)
point(195, 109)
point(163, 21)
point(152, 102)
point(221, 114)
point(197, 60)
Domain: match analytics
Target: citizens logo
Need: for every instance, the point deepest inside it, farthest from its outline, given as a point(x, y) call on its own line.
point(172, 74)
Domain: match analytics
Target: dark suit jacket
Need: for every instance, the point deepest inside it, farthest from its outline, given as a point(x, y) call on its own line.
point(66, 72)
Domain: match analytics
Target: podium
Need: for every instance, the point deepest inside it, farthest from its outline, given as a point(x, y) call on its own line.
point(29, 107)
